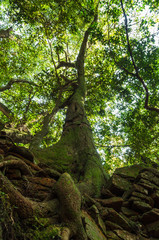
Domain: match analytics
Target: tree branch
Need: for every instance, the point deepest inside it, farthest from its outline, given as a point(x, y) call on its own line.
point(66, 64)
point(112, 146)
point(6, 111)
point(135, 66)
point(12, 81)
point(80, 58)
point(5, 33)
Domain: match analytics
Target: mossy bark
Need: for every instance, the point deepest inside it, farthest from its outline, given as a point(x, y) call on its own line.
point(75, 152)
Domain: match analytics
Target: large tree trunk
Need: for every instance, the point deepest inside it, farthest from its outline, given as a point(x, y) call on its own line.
point(75, 153)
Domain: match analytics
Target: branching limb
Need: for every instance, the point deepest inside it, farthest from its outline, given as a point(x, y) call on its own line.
point(81, 57)
point(12, 81)
point(112, 146)
point(5, 33)
point(6, 111)
point(135, 66)
point(66, 64)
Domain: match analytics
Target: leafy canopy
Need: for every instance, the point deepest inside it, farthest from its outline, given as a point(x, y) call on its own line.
point(121, 71)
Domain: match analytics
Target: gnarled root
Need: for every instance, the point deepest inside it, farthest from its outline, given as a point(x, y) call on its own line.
point(70, 202)
point(65, 235)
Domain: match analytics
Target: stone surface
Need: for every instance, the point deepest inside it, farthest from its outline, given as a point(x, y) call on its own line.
point(93, 232)
point(112, 226)
point(114, 217)
point(140, 189)
point(129, 171)
point(105, 193)
point(143, 197)
point(129, 212)
point(155, 197)
point(125, 235)
point(150, 216)
point(119, 185)
point(153, 229)
point(122, 235)
point(114, 202)
point(141, 206)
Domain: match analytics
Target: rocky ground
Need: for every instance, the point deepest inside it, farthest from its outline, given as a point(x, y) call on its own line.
point(128, 208)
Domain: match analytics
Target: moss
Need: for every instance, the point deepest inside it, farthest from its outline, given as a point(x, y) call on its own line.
point(75, 153)
point(47, 233)
point(70, 202)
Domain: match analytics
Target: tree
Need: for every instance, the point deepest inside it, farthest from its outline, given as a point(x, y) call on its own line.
point(69, 58)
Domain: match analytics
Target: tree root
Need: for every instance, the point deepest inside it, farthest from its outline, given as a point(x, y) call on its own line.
point(24, 206)
point(65, 235)
point(32, 165)
point(14, 163)
point(70, 202)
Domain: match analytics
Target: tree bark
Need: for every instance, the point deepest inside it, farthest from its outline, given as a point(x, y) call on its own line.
point(75, 152)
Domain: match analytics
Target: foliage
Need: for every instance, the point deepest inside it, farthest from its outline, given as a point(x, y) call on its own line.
point(48, 33)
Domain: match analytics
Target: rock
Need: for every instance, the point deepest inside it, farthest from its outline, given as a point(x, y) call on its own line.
point(111, 235)
point(1, 157)
point(121, 235)
point(114, 217)
point(119, 185)
point(153, 170)
point(129, 212)
point(105, 193)
point(155, 197)
point(129, 171)
point(92, 230)
point(148, 185)
point(150, 177)
point(150, 216)
point(93, 210)
point(112, 226)
point(114, 202)
point(132, 199)
point(143, 197)
point(140, 189)
point(153, 229)
point(125, 235)
point(141, 206)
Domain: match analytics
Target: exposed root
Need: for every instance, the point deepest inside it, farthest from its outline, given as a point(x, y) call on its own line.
point(32, 165)
point(66, 233)
point(22, 204)
point(14, 163)
point(70, 202)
